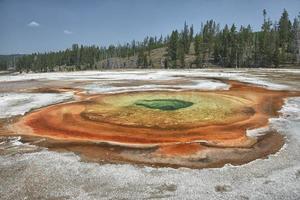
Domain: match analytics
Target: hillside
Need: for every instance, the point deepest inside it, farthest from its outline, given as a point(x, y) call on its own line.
point(156, 59)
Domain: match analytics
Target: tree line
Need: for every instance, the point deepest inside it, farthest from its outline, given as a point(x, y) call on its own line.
point(276, 44)
point(86, 57)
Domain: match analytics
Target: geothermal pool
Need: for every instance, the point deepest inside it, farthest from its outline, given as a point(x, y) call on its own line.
point(216, 128)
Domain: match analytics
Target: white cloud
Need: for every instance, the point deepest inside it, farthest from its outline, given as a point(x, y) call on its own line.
point(67, 32)
point(33, 24)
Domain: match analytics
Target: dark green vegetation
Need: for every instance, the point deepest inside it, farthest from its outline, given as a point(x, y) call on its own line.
point(164, 104)
point(9, 61)
point(276, 44)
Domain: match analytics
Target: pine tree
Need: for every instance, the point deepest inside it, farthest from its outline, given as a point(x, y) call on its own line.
point(140, 60)
point(181, 53)
point(172, 48)
point(295, 41)
point(185, 38)
point(191, 36)
point(284, 35)
point(198, 50)
point(233, 50)
point(266, 42)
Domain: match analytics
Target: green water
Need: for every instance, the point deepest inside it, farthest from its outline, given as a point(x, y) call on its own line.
point(164, 104)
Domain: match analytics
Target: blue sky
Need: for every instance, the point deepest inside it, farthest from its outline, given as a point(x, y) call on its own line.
point(28, 26)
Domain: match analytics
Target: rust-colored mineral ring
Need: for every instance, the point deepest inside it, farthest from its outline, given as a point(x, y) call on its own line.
point(160, 119)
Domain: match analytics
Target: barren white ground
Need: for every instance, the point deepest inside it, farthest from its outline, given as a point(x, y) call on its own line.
point(43, 174)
